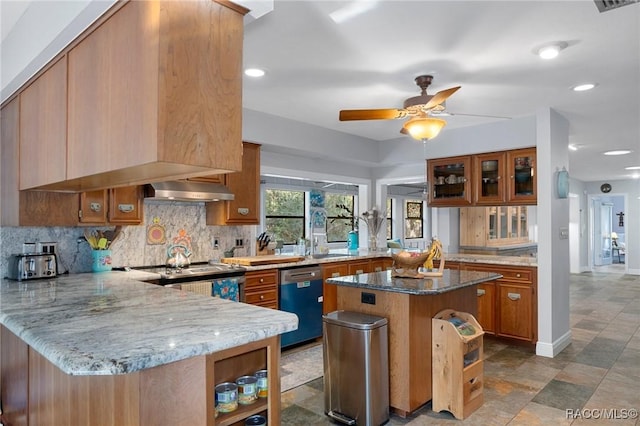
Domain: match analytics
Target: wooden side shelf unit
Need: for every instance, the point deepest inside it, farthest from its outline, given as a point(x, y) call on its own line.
point(457, 364)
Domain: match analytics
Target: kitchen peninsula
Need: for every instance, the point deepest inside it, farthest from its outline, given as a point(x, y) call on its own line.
point(409, 305)
point(106, 349)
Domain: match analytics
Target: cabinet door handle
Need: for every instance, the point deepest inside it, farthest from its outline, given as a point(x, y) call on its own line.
point(513, 296)
point(378, 269)
point(481, 292)
point(95, 207)
point(243, 211)
point(335, 274)
point(126, 208)
point(359, 271)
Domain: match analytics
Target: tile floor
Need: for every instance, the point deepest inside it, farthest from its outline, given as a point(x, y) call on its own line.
point(600, 369)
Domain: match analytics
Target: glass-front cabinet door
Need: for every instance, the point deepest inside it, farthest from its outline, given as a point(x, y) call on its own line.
point(489, 178)
point(449, 181)
point(506, 225)
point(521, 168)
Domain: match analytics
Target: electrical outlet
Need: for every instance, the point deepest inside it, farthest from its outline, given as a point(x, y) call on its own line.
point(239, 242)
point(216, 242)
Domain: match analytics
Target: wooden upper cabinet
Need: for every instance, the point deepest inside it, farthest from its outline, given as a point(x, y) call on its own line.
point(245, 186)
point(140, 107)
point(523, 180)
point(489, 178)
point(43, 128)
point(449, 181)
point(119, 206)
point(125, 205)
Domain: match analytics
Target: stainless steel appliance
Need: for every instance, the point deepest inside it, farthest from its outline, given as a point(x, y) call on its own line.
point(356, 368)
point(28, 266)
point(199, 277)
point(300, 292)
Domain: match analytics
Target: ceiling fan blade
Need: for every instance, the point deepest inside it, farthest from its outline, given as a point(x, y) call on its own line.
point(371, 114)
point(440, 97)
point(446, 113)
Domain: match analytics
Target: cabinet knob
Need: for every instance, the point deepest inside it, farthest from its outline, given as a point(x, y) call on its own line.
point(262, 297)
point(513, 296)
point(378, 269)
point(261, 280)
point(517, 275)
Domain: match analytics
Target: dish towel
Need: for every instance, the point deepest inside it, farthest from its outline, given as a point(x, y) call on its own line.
point(226, 288)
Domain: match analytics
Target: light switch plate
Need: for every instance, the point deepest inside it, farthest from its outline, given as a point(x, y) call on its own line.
point(564, 233)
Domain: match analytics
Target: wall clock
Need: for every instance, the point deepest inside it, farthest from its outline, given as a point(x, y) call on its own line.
point(562, 185)
point(605, 187)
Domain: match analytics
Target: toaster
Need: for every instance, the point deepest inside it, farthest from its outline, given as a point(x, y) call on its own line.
point(32, 266)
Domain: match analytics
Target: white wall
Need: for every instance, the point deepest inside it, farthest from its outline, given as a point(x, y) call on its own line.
point(552, 134)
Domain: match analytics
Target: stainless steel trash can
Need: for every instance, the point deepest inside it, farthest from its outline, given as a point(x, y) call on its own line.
point(356, 368)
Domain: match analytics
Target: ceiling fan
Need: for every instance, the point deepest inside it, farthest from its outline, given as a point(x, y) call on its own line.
point(421, 125)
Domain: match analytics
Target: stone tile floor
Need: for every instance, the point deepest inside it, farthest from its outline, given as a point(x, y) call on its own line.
point(599, 370)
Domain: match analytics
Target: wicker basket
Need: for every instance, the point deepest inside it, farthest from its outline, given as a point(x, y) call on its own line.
point(407, 266)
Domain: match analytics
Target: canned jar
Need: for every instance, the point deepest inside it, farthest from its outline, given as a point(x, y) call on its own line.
point(247, 389)
point(255, 420)
point(226, 397)
point(263, 383)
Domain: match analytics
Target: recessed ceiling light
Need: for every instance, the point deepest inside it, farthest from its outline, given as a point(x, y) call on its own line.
point(550, 51)
point(583, 87)
point(632, 168)
point(254, 72)
point(618, 152)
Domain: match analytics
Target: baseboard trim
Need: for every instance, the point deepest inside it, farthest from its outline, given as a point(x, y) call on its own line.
point(550, 350)
point(633, 271)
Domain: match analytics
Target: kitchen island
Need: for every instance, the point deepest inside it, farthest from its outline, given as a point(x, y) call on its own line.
point(104, 349)
point(409, 304)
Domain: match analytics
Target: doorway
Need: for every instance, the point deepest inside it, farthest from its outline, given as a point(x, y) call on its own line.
point(604, 224)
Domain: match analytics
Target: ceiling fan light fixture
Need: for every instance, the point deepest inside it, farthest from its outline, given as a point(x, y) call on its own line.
point(424, 128)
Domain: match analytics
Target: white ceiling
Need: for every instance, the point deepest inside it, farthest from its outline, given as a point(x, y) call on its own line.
point(316, 67)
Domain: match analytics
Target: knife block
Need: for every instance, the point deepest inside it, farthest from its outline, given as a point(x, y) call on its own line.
point(269, 249)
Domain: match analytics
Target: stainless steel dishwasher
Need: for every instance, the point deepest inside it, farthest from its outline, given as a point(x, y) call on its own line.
point(300, 293)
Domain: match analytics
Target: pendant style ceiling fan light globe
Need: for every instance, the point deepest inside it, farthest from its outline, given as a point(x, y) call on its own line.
point(424, 128)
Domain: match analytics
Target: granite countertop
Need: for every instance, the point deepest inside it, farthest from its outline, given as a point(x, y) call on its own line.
point(450, 280)
point(344, 255)
point(109, 323)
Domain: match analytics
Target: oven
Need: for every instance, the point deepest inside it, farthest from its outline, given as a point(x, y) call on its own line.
point(221, 280)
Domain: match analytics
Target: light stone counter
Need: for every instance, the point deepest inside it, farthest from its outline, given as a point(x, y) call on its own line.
point(109, 323)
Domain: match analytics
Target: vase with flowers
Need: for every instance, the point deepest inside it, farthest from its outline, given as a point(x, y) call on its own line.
point(373, 219)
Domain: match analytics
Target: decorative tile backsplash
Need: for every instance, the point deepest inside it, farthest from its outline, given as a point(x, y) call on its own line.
point(133, 247)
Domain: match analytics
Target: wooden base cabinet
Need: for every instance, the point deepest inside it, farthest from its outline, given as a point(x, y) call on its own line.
point(261, 288)
point(508, 306)
point(35, 392)
point(329, 291)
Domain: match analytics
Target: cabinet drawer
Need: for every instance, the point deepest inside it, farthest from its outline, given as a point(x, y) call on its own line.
point(261, 279)
point(520, 275)
point(261, 295)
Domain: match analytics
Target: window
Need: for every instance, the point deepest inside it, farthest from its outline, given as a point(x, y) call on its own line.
point(413, 219)
point(284, 215)
point(340, 219)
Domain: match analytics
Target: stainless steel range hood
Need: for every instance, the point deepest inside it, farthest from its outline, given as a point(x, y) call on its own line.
point(182, 190)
